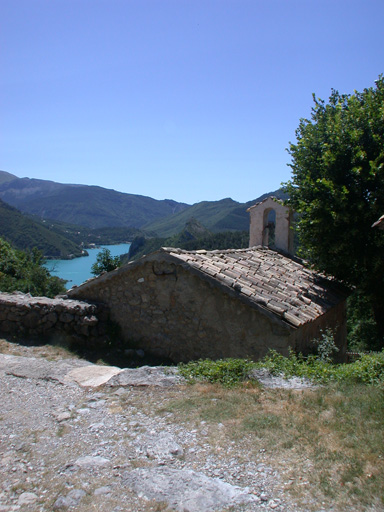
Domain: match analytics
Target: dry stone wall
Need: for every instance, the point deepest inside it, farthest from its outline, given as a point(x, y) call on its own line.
point(23, 315)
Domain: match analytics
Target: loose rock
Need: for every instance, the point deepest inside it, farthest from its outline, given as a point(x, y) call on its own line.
point(27, 498)
point(185, 490)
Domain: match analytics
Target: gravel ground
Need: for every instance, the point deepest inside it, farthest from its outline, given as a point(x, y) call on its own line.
point(68, 447)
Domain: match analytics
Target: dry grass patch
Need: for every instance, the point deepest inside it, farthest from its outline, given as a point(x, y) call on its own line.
point(27, 348)
point(327, 442)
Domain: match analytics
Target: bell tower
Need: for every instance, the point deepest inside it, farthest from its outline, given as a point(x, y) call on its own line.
point(270, 225)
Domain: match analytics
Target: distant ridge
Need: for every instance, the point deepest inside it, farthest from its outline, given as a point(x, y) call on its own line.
point(97, 207)
point(217, 216)
point(89, 206)
point(6, 176)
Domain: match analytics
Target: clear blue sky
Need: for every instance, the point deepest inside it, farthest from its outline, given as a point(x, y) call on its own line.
point(184, 99)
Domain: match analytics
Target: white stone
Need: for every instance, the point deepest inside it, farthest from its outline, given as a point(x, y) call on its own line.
point(92, 376)
point(27, 498)
point(92, 462)
point(186, 490)
point(63, 416)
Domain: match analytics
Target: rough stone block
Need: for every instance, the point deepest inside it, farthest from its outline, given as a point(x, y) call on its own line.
point(31, 320)
point(66, 317)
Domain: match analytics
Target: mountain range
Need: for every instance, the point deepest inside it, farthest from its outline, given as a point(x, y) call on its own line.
point(94, 208)
point(84, 205)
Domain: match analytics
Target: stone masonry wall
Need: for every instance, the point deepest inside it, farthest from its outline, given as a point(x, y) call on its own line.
point(171, 313)
point(23, 315)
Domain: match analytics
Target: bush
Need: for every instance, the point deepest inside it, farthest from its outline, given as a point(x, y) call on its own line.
point(369, 369)
point(363, 334)
point(228, 372)
point(326, 346)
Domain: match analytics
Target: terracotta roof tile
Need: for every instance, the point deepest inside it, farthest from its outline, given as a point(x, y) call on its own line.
point(276, 282)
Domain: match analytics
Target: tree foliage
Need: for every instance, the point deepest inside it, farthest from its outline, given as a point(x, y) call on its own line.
point(24, 272)
point(105, 262)
point(337, 187)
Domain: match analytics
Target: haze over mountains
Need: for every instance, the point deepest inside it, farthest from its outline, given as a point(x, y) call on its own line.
point(95, 207)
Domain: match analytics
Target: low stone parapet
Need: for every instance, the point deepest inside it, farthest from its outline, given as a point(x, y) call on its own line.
point(23, 315)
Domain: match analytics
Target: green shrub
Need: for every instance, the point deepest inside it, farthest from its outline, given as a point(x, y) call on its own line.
point(228, 372)
point(369, 369)
point(363, 334)
point(326, 346)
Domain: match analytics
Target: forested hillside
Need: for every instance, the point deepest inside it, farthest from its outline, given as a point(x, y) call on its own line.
point(194, 236)
point(26, 233)
point(217, 216)
point(6, 176)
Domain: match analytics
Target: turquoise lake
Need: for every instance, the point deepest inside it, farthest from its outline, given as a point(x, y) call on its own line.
point(78, 270)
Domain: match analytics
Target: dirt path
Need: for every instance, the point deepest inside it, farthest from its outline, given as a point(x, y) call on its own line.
point(117, 447)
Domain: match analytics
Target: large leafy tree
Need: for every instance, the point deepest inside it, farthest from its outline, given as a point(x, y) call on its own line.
point(337, 187)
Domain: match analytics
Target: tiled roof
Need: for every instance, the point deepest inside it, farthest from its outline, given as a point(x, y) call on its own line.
point(266, 279)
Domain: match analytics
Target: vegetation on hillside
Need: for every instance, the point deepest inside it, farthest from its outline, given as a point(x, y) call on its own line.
point(25, 233)
point(6, 176)
point(194, 236)
point(216, 216)
point(56, 240)
point(337, 187)
point(24, 272)
point(87, 237)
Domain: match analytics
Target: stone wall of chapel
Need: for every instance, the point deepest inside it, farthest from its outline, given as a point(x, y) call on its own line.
point(171, 313)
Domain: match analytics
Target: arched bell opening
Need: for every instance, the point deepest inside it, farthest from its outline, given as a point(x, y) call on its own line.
point(269, 227)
